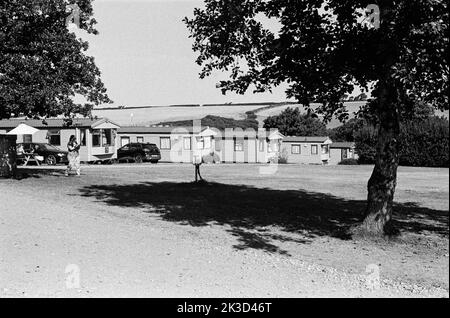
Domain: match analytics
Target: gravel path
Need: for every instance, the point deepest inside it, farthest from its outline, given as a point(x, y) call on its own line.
point(121, 252)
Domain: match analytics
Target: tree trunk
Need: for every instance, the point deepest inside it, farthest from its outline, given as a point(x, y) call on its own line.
point(381, 186)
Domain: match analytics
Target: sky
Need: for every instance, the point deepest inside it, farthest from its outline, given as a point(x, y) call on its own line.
point(146, 57)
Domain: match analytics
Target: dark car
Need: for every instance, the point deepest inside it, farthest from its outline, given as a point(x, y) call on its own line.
point(51, 154)
point(139, 152)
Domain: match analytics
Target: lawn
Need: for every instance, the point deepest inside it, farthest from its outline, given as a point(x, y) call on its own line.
point(298, 213)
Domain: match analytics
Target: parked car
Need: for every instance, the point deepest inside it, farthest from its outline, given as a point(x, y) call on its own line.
point(50, 154)
point(139, 152)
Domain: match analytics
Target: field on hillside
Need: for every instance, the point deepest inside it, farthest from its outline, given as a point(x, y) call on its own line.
point(352, 107)
point(155, 115)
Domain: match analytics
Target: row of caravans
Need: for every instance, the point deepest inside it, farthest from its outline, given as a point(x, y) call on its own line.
point(100, 139)
point(96, 136)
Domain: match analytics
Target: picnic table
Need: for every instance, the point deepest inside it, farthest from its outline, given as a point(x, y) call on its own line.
point(31, 157)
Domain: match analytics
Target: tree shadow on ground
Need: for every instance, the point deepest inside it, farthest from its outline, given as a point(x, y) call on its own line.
point(249, 211)
point(37, 173)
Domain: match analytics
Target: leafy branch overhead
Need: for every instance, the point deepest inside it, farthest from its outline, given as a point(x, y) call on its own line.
point(322, 49)
point(44, 69)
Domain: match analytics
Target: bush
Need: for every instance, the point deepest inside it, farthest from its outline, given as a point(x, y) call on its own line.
point(422, 143)
point(283, 157)
point(211, 158)
point(280, 158)
point(349, 161)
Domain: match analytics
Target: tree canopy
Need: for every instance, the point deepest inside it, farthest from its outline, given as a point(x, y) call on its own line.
point(293, 123)
point(217, 122)
point(322, 49)
point(44, 69)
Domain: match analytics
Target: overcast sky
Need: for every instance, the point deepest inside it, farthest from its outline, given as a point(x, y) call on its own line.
point(145, 55)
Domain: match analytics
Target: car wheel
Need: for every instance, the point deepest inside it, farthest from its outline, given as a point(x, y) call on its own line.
point(138, 159)
point(51, 160)
point(154, 161)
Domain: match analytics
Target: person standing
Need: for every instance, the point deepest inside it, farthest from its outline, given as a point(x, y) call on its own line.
point(74, 156)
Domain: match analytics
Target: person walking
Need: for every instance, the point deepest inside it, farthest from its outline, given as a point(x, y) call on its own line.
point(74, 156)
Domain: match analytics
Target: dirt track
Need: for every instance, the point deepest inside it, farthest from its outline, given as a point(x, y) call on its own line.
point(46, 225)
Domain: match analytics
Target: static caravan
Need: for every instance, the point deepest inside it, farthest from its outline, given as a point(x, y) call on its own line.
point(342, 150)
point(98, 137)
point(247, 146)
point(306, 150)
point(182, 144)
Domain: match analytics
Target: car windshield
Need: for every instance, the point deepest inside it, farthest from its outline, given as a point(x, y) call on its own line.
point(49, 147)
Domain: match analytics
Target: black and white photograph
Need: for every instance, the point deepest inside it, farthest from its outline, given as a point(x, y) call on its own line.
point(240, 150)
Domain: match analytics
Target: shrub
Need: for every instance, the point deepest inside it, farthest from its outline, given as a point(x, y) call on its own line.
point(423, 143)
point(211, 158)
point(349, 161)
point(283, 157)
point(282, 160)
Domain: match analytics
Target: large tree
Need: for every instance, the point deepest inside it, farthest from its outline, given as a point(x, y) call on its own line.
point(322, 50)
point(44, 69)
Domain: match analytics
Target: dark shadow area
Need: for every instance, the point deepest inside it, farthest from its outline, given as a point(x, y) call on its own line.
point(249, 211)
point(26, 173)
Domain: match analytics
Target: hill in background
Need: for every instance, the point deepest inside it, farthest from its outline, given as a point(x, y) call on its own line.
point(153, 115)
point(218, 122)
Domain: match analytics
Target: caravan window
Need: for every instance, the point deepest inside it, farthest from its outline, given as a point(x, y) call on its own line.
point(165, 143)
point(295, 149)
point(54, 137)
point(187, 143)
point(96, 134)
point(124, 141)
point(207, 142)
point(106, 137)
point(273, 146)
point(261, 144)
point(102, 137)
point(238, 145)
point(27, 138)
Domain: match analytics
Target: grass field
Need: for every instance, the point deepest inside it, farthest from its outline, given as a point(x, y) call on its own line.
point(290, 221)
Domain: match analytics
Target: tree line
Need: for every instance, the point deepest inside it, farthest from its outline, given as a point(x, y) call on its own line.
point(423, 139)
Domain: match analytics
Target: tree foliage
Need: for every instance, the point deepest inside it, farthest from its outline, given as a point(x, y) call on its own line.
point(292, 123)
point(322, 49)
point(44, 69)
point(423, 143)
point(346, 131)
point(218, 122)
